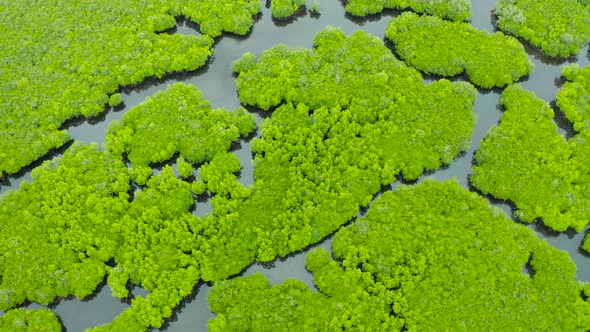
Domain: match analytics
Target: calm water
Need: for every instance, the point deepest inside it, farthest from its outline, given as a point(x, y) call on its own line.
point(218, 85)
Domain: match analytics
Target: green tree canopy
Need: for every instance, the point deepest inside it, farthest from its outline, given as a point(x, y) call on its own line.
point(59, 231)
point(282, 9)
point(350, 118)
point(456, 10)
point(526, 161)
point(429, 257)
point(445, 48)
point(21, 320)
point(574, 98)
point(176, 120)
point(558, 27)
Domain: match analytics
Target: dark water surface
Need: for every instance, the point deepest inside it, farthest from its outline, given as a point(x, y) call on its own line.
point(218, 86)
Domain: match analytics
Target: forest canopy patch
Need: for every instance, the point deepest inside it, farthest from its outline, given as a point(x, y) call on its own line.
point(444, 48)
point(560, 28)
point(427, 257)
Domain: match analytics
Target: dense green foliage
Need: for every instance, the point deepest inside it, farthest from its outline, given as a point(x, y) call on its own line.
point(158, 250)
point(558, 27)
point(445, 48)
point(456, 10)
point(21, 320)
point(574, 98)
point(285, 8)
point(351, 117)
point(574, 101)
point(63, 59)
point(176, 120)
point(77, 223)
point(58, 231)
point(526, 161)
point(430, 257)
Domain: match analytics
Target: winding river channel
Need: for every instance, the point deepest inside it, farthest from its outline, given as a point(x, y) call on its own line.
point(218, 85)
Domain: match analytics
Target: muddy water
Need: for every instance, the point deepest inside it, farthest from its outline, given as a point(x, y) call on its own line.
point(218, 85)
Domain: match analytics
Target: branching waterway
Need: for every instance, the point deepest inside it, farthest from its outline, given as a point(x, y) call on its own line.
point(217, 82)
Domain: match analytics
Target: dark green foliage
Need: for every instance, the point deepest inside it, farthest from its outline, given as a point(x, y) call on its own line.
point(558, 27)
point(353, 118)
point(445, 48)
point(526, 161)
point(180, 120)
point(574, 98)
point(59, 230)
point(430, 257)
point(62, 59)
point(456, 10)
point(282, 9)
point(21, 320)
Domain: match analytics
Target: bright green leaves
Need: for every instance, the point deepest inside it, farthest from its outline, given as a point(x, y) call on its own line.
point(115, 100)
point(63, 60)
point(165, 248)
point(216, 16)
point(452, 258)
point(21, 320)
point(445, 48)
point(354, 118)
point(282, 9)
point(251, 304)
point(456, 10)
point(558, 27)
point(429, 257)
point(159, 250)
point(177, 120)
point(574, 98)
point(58, 232)
point(526, 161)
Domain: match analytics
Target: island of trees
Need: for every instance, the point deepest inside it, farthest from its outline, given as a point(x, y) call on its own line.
point(455, 10)
point(444, 48)
point(559, 27)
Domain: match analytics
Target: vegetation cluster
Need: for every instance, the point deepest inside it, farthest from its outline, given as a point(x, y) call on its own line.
point(80, 220)
point(82, 209)
point(283, 9)
point(525, 160)
point(444, 48)
point(574, 98)
point(428, 257)
point(21, 320)
point(62, 61)
point(349, 119)
point(559, 27)
point(455, 10)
